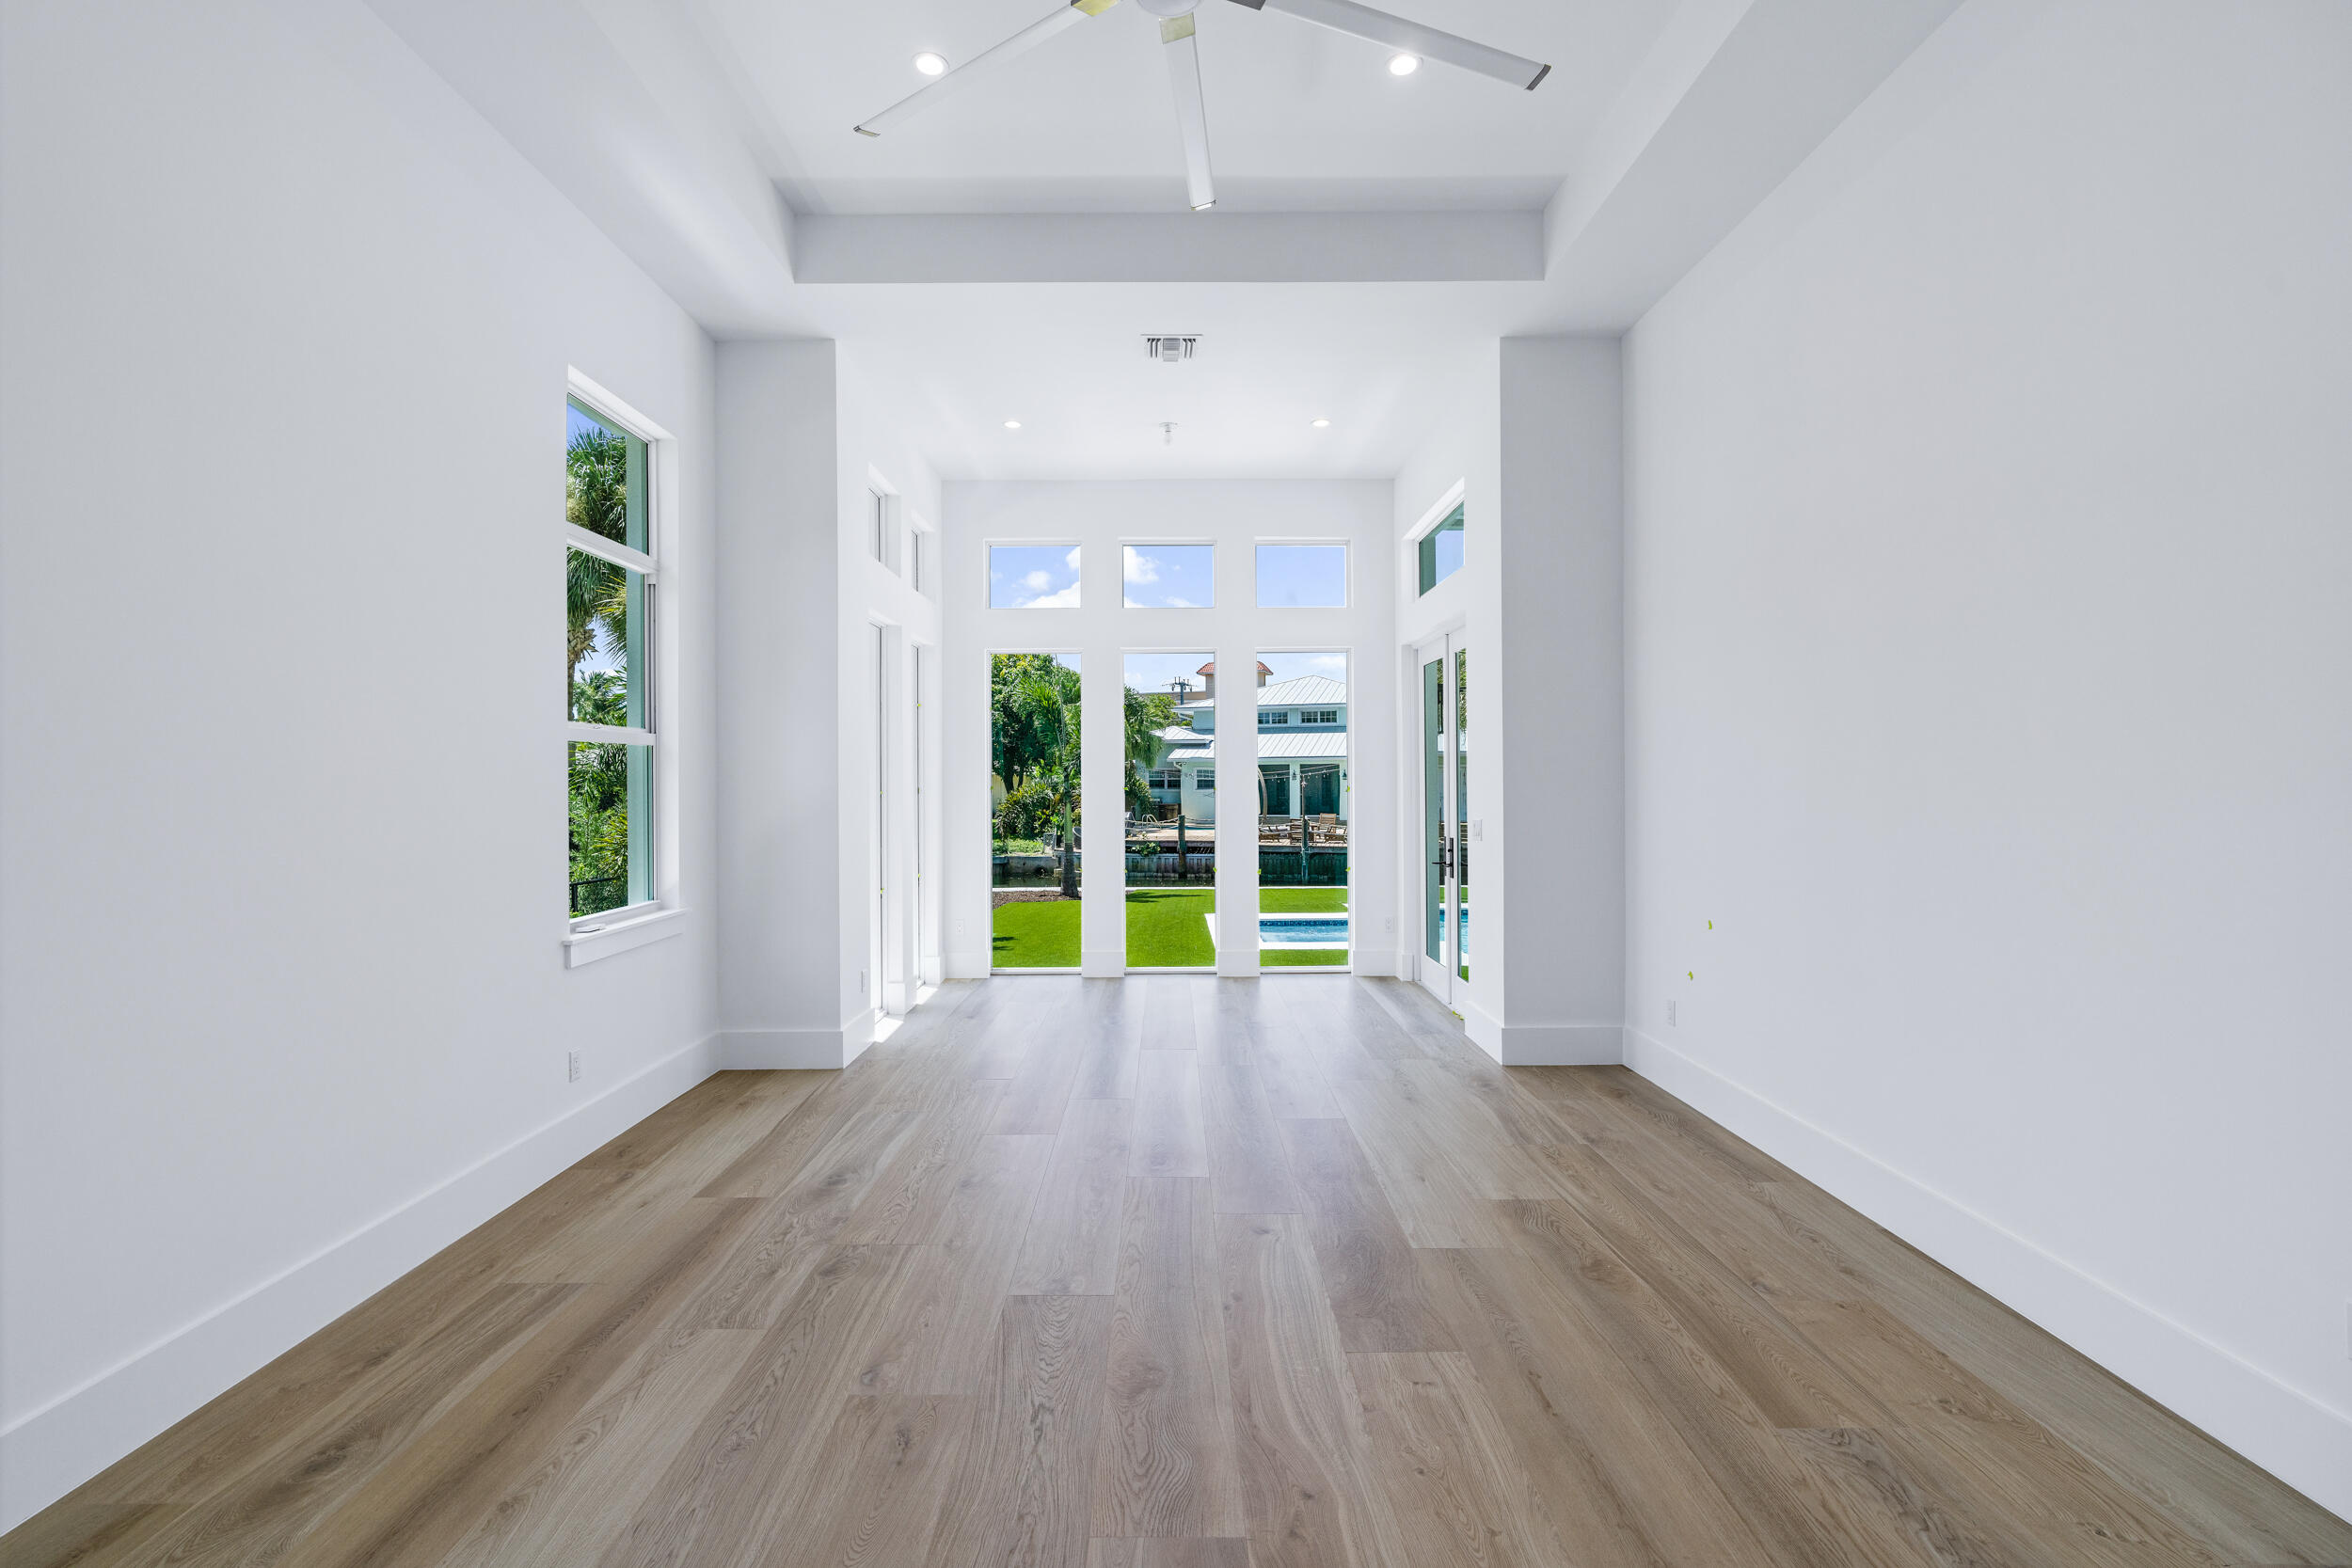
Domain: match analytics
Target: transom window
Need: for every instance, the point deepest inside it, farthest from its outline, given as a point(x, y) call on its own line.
point(1440, 550)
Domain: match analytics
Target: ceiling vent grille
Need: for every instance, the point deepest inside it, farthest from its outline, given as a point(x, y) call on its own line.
point(1170, 349)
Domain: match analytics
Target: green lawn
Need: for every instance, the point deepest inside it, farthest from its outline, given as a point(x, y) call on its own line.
point(1167, 927)
point(1166, 930)
point(1032, 935)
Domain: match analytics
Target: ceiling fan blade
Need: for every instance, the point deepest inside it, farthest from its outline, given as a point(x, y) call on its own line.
point(1184, 74)
point(984, 64)
point(1410, 38)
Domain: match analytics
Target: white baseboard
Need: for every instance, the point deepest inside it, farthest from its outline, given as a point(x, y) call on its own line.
point(1544, 1044)
point(49, 1451)
point(1102, 963)
point(763, 1049)
point(2295, 1436)
point(967, 966)
point(1374, 961)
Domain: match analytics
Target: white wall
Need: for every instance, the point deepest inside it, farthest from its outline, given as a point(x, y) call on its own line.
point(1533, 446)
point(802, 439)
point(281, 819)
point(1990, 648)
point(1100, 517)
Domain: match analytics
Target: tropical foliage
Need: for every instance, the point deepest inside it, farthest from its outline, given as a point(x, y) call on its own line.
point(1033, 702)
point(596, 498)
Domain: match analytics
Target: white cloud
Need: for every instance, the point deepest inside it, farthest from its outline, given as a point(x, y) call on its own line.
point(1141, 567)
point(1038, 581)
point(1061, 598)
point(1173, 602)
point(1071, 559)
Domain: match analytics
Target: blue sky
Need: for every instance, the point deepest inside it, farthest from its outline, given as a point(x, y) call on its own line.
point(1033, 576)
point(1302, 576)
point(1165, 576)
point(1170, 576)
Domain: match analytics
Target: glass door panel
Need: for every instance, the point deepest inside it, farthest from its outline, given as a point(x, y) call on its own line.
point(1461, 810)
point(1434, 857)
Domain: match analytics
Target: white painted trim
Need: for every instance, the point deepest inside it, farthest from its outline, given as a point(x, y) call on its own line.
point(1101, 964)
point(578, 538)
point(1544, 1044)
point(2303, 1442)
point(606, 735)
point(762, 1049)
point(587, 946)
point(49, 1451)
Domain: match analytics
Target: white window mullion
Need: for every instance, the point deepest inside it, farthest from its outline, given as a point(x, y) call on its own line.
point(578, 538)
point(606, 735)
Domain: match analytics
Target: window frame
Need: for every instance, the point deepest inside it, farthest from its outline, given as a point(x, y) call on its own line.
point(588, 937)
point(1424, 537)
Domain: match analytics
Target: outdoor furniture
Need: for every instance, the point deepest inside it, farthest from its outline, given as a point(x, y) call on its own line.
point(1329, 829)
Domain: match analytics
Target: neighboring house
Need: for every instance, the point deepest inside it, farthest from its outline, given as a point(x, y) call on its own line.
point(1301, 755)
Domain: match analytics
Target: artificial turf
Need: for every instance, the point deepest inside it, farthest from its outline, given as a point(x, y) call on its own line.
point(1166, 930)
point(1037, 934)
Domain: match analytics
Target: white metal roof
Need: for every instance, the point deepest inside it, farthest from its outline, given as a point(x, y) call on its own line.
point(1309, 689)
point(1326, 745)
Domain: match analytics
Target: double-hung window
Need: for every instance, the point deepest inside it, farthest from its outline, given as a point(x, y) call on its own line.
point(612, 589)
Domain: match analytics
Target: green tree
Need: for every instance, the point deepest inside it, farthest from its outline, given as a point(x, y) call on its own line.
point(1035, 706)
point(1148, 713)
point(596, 498)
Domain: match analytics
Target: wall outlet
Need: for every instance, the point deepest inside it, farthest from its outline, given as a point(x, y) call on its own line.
point(1670, 1009)
point(862, 988)
point(571, 1066)
point(1478, 830)
point(1388, 922)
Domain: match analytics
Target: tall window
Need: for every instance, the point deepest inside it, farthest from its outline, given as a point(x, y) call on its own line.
point(1034, 764)
point(1304, 808)
point(611, 582)
point(1169, 735)
point(1442, 551)
point(876, 522)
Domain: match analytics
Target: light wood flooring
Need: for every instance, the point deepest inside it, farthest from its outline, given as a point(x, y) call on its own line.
point(1175, 1273)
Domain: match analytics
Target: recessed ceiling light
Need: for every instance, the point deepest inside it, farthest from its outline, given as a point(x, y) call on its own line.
point(1012, 425)
point(1320, 424)
point(930, 64)
point(1402, 65)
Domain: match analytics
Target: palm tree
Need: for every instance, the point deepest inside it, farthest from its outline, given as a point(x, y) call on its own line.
point(596, 498)
point(1147, 714)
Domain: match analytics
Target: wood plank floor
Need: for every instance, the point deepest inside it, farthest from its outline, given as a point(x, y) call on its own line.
point(1173, 1272)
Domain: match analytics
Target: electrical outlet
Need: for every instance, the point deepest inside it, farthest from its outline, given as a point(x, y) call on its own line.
point(1670, 1009)
point(862, 988)
point(571, 1066)
point(1388, 922)
point(1478, 830)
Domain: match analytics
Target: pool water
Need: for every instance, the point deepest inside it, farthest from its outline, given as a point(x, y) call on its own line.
point(1302, 930)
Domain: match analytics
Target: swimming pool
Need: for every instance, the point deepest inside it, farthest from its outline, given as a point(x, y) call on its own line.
point(1302, 930)
point(1296, 930)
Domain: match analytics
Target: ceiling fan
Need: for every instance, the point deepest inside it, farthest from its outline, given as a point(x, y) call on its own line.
point(1411, 41)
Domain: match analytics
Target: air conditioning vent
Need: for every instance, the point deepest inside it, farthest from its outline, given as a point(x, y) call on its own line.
point(1171, 348)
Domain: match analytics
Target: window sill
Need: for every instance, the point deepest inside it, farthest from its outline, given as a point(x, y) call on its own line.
point(586, 947)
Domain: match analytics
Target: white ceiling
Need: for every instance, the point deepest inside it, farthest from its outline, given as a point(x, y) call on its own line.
point(1300, 119)
point(703, 134)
